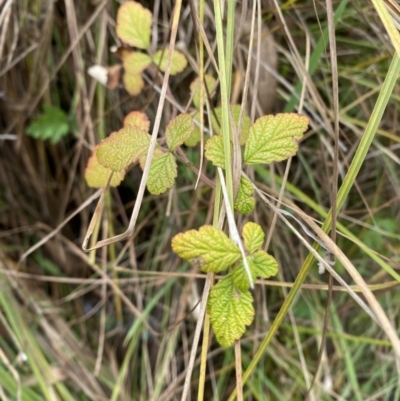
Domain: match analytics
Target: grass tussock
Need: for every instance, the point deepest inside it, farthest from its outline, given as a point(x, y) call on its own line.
point(118, 323)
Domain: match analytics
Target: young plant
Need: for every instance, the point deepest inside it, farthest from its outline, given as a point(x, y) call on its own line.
point(134, 29)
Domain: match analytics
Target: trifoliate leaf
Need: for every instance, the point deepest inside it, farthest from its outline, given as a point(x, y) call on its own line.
point(123, 148)
point(136, 62)
point(138, 119)
point(217, 118)
point(97, 176)
point(274, 138)
point(253, 236)
point(230, 310)
point(208, 248)
point(244, 202)
point(214, 151)
point(162, 173)
point(52, 124)
point(133, 83)
point(134, 24)
point(179, 61)
point(178, 130)
point(209, 81)
point(241, 278)
point(262, 264)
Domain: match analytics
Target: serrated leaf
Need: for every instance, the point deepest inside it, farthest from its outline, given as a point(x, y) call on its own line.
point(209, 81)
point(208, 248)
point(214, 150)
point(135, 62)
point(262, 264)
point(138, 119)
point(241, 278)
point(97, 176)
point(230, 310)
point(217, 118)
point(134, 24)
point(178, 130)
point(179, 61)
point(253, 236)
point(51, 124)
point(162, 174)
point(123, 148)
point(244, 202)
point(133, 83)
point(274, 138)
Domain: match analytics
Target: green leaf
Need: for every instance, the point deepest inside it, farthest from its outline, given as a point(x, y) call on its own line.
point(97, 176)
point(244, 202)
point(241, 278)
point(133, 83)
point(162, 173)
point(209, 249)
point(179, 130)
point(253, 236)
point(230, 309)
point(209, 81)
point(214, 151)
point(123, 148)
point(52, 124)
point(217, 118)
point(135, 62)
point(138, 119)
point(274, 138)
point(179, 61)
point(134, 24)
point(262, 264)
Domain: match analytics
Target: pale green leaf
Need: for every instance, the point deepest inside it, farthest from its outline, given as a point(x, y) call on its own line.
point(179, 130)
point(244, 202)
point(133, 83)
point(134, 24)
point(262, 264)
point(241, 278)
point(274, 138)
point(209, 81)
point(52, 124)
point(97, 176)
point(194, 138)
point(253, 236)
point(123, 148)
point(179, 61)
point(162, 173)
point(135, 62)
point(138, 119)
point(217, 118)
point(230, 310)
point(208, 248)
point(214, 150)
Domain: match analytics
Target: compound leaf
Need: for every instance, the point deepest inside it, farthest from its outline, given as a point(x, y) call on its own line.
point(214, 150)
point(138, 119)
point(52, 124)
point(217, 118)
point(274, 138)
point(230, 309)
point(134, 24)
point(208, 248)
point(209, 81)
point(179, 130)
point(97, 176)
point(241, 278)
point(123, 148)
point(179, 61)
point(135, 62)
point(253, 236)
point(244, 202)
point(162, 174)
point(133, 83)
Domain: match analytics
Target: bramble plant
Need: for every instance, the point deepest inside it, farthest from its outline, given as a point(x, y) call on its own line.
point(269, 139)
point(133, 28)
